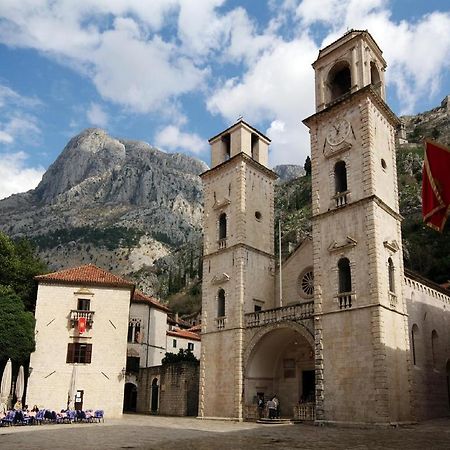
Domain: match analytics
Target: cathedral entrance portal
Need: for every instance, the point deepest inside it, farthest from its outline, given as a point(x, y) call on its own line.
point(281, 363)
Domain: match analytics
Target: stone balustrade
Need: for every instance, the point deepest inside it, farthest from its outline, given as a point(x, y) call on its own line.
point(392, 300)
point(341, 199)
point(345, 300)
point(75, 314)
point(220, 322)
point(290, 312)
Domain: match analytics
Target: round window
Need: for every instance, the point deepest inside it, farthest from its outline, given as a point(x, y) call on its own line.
point(383, 164)
point(258, 215)
point(305, 283)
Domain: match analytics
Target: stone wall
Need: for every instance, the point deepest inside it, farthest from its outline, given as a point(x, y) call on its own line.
point(177, 389)
point(101, 380)
point(428, 313)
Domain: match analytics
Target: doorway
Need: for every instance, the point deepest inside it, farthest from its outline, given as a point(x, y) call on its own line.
point(130, 397)
point(155, 393)
point(309, 385)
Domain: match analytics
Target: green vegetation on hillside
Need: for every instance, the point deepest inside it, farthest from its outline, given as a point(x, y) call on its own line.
point(109, 238)
point(293, 208)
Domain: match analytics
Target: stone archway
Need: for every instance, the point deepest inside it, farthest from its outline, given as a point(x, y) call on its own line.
point(279, 359)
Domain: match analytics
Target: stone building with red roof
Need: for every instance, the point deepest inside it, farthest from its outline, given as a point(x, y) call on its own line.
point(95, 331)
point(81, 327)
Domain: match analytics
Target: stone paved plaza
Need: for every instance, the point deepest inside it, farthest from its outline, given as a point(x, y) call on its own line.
point(149, 432)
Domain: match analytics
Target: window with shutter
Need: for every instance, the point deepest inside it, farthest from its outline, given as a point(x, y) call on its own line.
point(70, 353)
point(79, 353)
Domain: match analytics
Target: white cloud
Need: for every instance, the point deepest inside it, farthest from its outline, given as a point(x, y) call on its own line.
point(15, 176)
point(278, 88)
point(97, 116)
point(142, 74)
point(149, 56)
point(173, 139)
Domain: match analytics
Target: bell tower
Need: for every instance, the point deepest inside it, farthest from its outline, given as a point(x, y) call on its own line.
point(238, 261)
point(361, 334)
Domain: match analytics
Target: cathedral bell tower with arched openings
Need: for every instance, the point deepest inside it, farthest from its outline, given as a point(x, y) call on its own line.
point(361, 335)
point(238, 261)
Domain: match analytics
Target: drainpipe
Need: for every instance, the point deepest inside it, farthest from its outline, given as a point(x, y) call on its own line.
point(279, 256)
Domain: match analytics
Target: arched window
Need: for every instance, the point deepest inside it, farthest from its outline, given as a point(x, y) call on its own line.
point(414, 340)
point(391, 275)
point(340, 177)
point(345, 276)
point(221, 303)
point(223, 226)
point(339, 80)
point(375, 80)
point(434, 348)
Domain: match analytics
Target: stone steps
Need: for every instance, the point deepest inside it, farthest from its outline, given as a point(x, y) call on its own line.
point(278, 421)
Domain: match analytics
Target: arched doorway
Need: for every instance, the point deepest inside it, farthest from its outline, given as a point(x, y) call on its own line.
point(155, 395)
point(130, 397)
point(281, 363)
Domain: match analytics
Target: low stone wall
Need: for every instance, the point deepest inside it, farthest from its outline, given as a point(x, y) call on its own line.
point(177, 389)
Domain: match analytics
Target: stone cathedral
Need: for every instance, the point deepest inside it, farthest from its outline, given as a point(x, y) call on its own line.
point(354, 337)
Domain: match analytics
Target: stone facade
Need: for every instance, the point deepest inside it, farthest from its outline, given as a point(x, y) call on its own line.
point(238, 268)
point(102, 380)
point(172, 389)
point(429, 332)
point(348, 338)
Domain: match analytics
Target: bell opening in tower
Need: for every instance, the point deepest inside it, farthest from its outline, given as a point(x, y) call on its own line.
point(375, 79)
point(339, 80)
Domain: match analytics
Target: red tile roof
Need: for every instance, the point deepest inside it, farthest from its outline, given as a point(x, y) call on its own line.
point(140, 297)
point(85, 275)
point(184, 334)
point(196, 328)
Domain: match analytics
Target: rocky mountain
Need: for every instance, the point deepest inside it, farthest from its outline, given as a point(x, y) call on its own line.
point(118, 203)
point(288, 172)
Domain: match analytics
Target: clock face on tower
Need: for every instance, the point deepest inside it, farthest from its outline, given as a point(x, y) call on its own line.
point(338, 131)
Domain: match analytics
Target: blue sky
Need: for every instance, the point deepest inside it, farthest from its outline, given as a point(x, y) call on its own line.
point(176, 72)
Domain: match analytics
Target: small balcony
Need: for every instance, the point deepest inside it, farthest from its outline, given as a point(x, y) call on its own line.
point(291, 312)
point(341, 199)
point(345, 300)
point(222, 243)
point(392, 300)
point(220, 322)
point(76, 314)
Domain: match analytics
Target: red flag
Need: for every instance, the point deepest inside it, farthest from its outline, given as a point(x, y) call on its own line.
point(81, 325)
point(436, 185)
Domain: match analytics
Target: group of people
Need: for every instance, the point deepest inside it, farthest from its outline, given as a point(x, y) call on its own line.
point(23, 416)
point(272, 405)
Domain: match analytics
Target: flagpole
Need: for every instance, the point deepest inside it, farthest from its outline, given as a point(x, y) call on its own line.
point(279, 256)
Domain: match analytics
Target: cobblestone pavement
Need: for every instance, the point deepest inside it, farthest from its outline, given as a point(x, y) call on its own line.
point(150, 432)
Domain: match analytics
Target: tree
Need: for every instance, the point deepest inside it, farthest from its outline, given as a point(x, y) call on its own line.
point(307, 166)
point(182, 355)
point(16, 327)
point(18, 267)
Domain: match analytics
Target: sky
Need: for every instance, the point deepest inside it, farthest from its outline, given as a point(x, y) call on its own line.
point(174, 73)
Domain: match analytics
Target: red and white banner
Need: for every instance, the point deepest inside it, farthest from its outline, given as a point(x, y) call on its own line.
point(436, 185)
